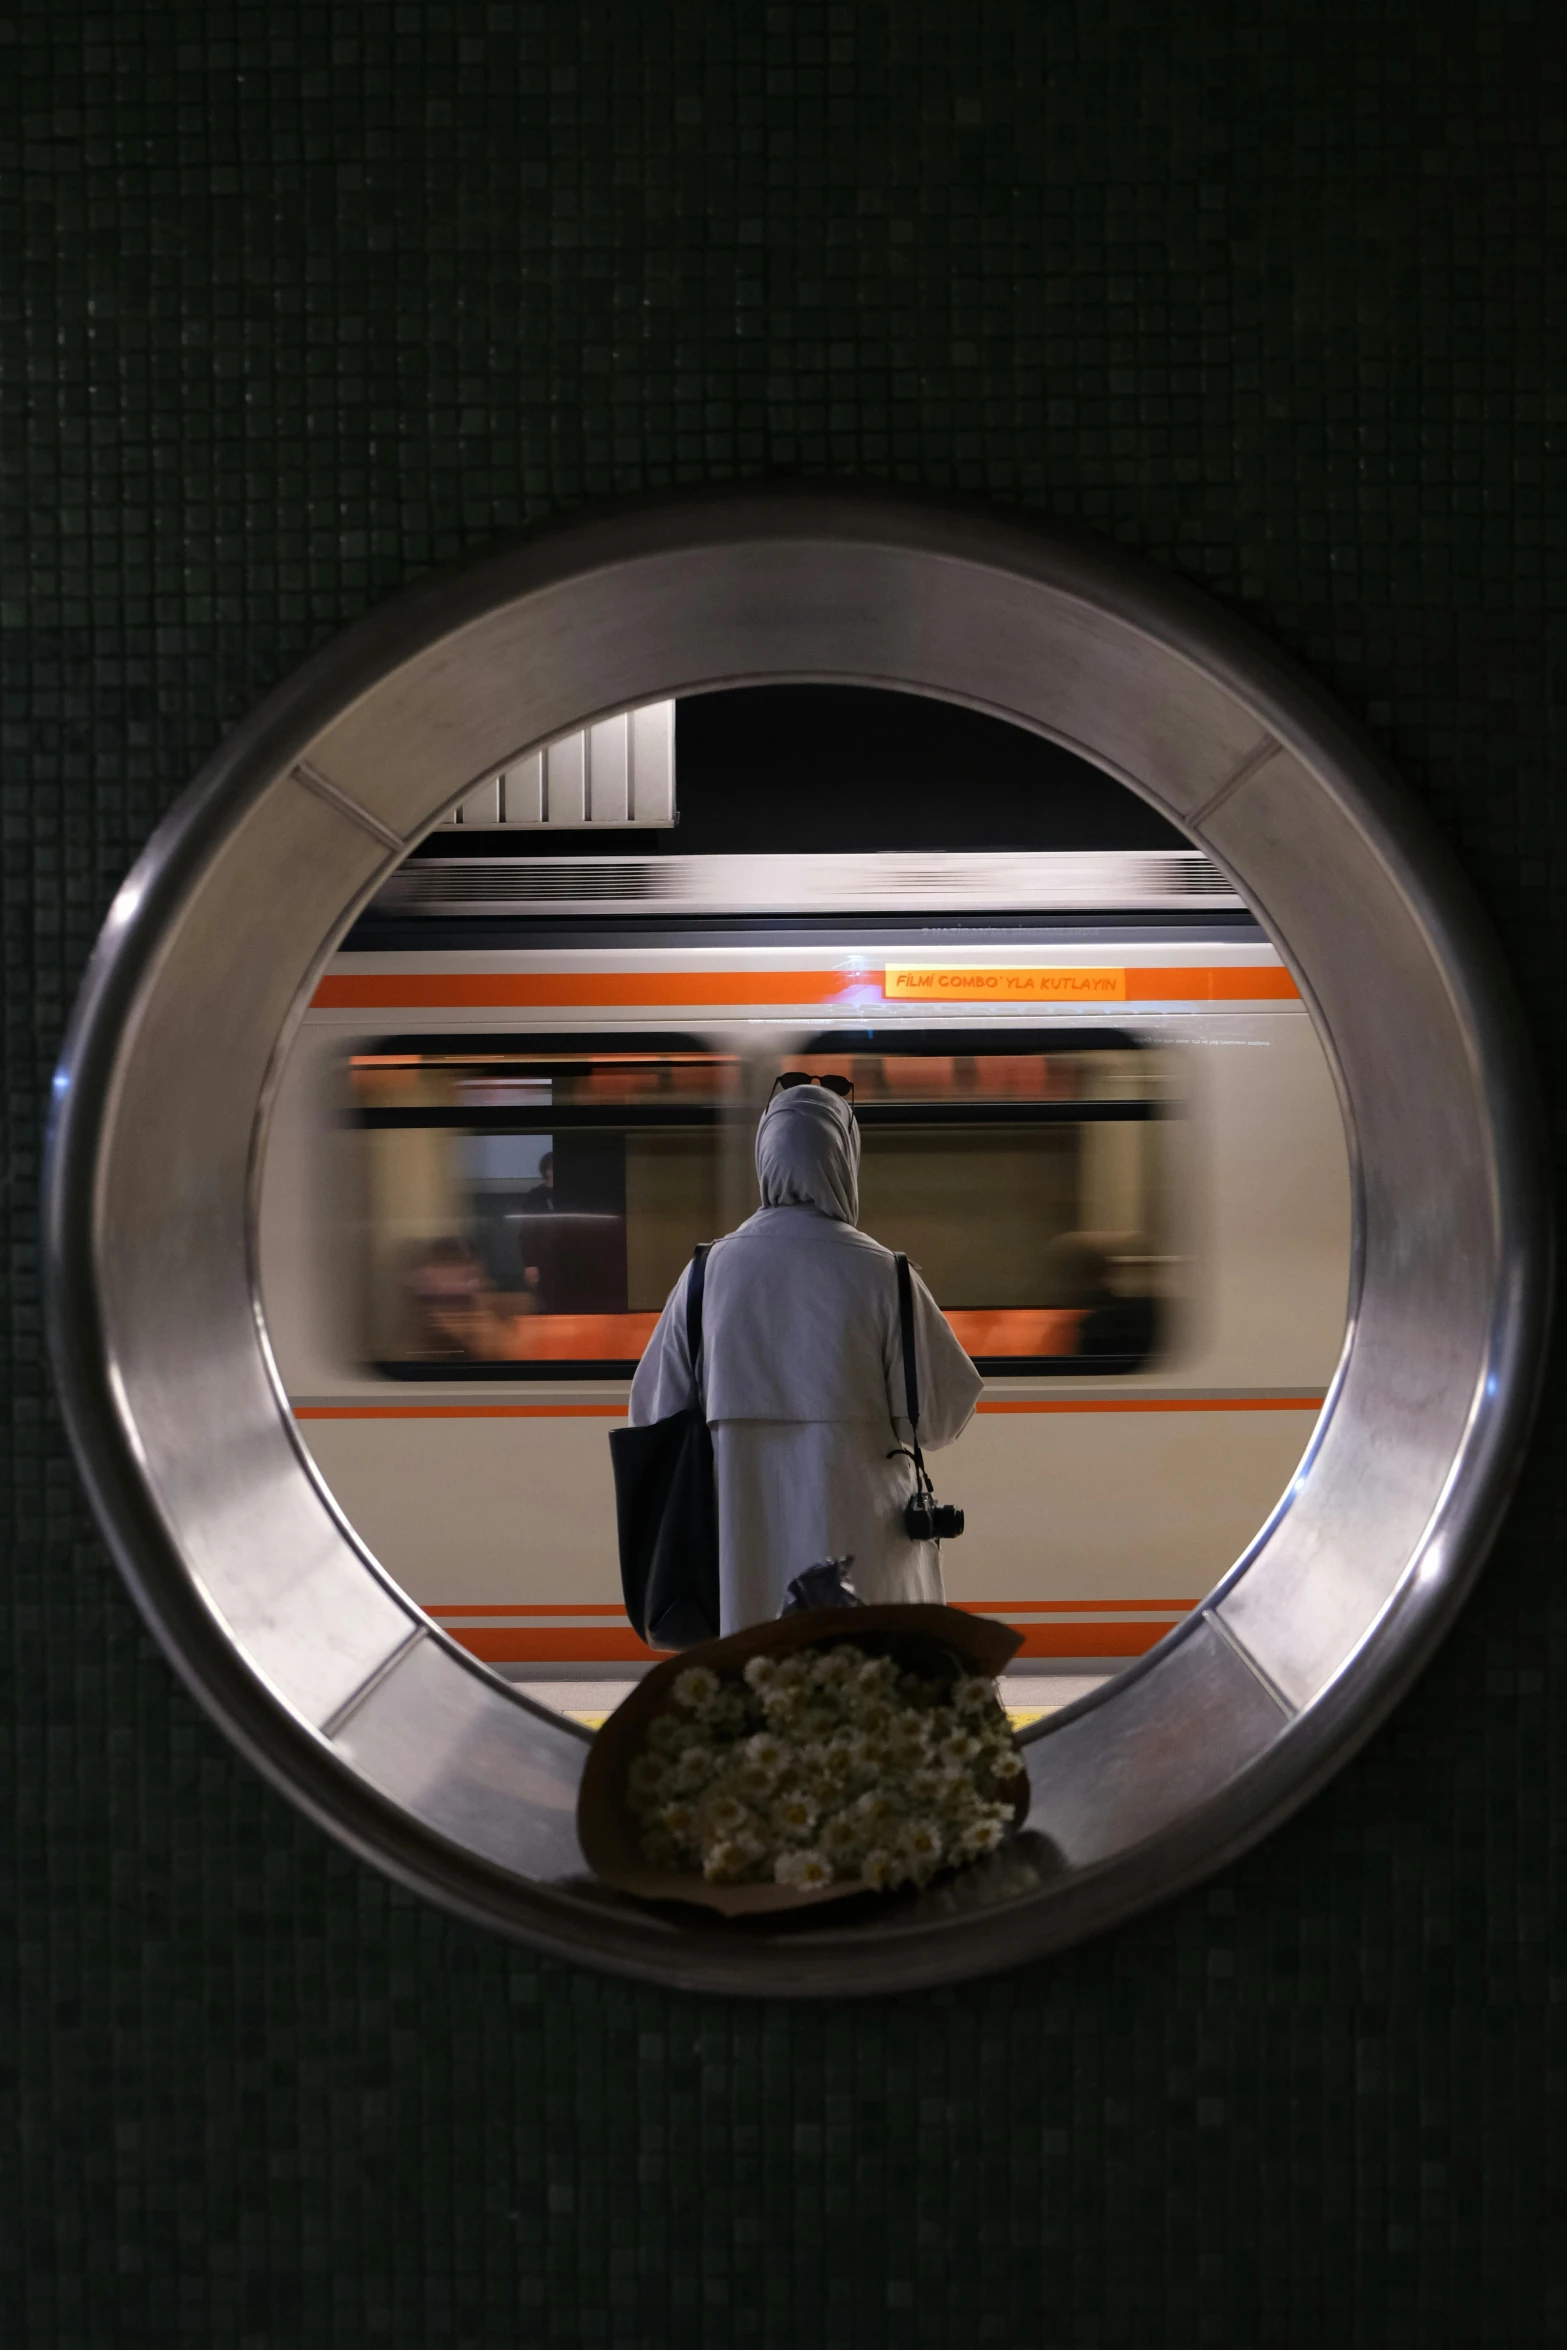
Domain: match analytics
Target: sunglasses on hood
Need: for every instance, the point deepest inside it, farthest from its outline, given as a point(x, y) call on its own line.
point(841, 1086)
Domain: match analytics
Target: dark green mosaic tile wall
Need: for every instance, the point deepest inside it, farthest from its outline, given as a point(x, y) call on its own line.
point(300, 299)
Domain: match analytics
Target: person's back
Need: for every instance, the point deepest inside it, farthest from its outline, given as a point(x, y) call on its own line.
point(803, 1376)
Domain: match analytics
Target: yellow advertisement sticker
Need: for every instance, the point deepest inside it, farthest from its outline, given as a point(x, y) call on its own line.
point(1060, 984)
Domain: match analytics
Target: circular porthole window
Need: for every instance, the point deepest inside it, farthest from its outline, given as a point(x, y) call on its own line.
point(178, 1339)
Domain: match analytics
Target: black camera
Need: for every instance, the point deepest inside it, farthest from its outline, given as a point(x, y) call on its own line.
point(925, 1519)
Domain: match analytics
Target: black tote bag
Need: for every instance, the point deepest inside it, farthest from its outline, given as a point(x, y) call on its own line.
point(666, 1509)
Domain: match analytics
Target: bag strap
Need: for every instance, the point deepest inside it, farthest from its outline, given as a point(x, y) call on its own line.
point(911, 1381)
point(694, 1288)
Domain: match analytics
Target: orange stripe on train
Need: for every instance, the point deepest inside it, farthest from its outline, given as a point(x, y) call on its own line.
point(446, 1611)
point(1154, 1403)
point(519, 1642)
point(459, 1411)
point(617, 1411)
point(568, 991)
point(502, 1645)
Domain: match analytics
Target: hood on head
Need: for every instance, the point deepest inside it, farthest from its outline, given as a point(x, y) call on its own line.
point(808, 1153)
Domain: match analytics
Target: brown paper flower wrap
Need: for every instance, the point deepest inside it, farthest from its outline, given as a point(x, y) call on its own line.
point(922, 1638)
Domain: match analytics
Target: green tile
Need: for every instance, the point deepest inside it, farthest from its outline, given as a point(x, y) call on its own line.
point(305, 299)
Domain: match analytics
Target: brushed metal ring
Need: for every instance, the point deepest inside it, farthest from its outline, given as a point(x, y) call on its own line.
point(320, 1669)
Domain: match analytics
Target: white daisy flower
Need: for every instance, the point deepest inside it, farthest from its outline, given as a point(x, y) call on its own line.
point(689, 1772)
point(834, 1668)
point(783, 1704)
point(824, 1761)
point(794, 1814)
point(973, 1695)
point(729, 1858)
point(874, 1809)
point(805, 1871)
point(837, 1753)
point(841, 1838)
point(696, 1687)
point(815, 1721)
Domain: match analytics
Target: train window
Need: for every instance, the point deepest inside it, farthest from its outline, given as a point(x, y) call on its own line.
point(529, 1205)
point(1025, 1177)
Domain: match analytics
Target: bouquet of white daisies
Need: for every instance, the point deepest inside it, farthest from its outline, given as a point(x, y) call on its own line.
point(870, 1754)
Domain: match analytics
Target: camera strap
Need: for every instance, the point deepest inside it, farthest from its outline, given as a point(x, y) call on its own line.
point(911, 1381)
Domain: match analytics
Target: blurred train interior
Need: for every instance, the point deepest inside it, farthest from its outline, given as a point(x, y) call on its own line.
point(1094, 1110)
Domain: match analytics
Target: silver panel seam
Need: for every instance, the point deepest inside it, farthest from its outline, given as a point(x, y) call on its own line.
point(371, 1683)
point(346, 805)
point(1232, 1640)
point(1253, 765)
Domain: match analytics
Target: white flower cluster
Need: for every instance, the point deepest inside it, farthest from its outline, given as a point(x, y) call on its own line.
point(822, 1767)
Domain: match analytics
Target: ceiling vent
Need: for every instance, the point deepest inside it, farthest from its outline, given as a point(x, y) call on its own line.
point(615, 775)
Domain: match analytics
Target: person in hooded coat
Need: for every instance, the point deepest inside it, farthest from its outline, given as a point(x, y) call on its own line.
point(802, 1375)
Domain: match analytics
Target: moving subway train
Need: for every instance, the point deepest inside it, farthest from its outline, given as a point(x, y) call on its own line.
point(1094, 1111)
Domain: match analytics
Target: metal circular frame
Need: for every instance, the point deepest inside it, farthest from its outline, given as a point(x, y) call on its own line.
point(322, 1671)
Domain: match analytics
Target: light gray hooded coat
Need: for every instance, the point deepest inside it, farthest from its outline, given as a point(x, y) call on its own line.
point(802, 1376)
